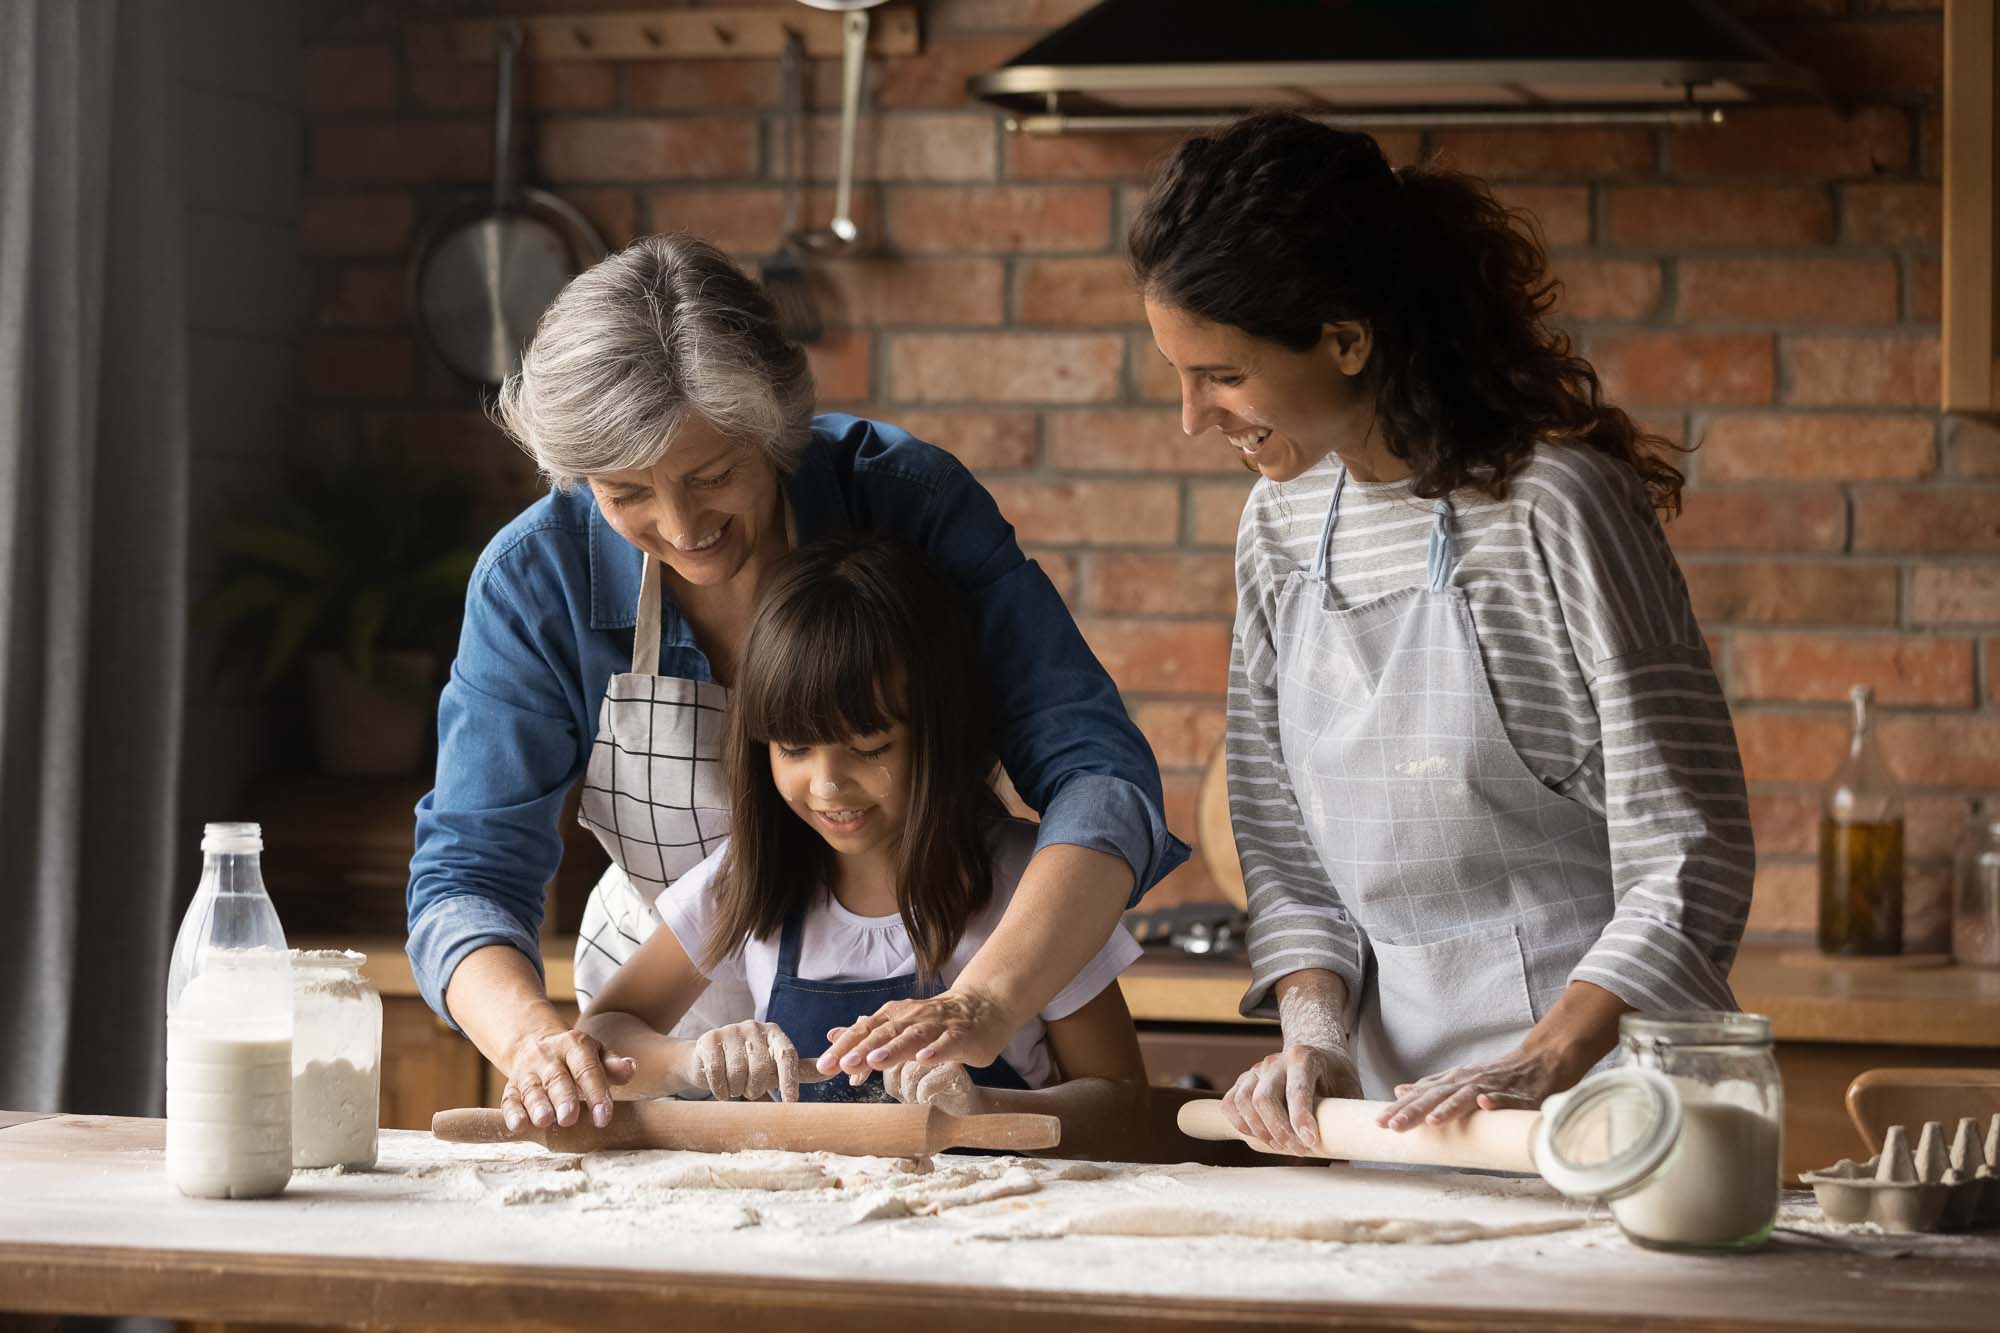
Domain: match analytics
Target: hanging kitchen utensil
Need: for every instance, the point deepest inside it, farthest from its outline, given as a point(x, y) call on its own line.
point(483, 273)
point(784, 276)
point(842, 232)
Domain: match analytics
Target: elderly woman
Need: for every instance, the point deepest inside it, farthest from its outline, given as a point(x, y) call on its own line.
point(603, 627)
point(1482, 777)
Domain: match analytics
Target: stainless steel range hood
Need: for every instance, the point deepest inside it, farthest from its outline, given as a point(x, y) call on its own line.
point(1153, 64)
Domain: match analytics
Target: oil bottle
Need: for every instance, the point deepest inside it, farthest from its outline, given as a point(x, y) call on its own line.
point(1861, 848)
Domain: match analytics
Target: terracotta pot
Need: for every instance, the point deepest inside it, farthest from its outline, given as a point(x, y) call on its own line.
point(369, 729)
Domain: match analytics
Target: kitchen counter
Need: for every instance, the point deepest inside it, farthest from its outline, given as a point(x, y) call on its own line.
point(453, 1235)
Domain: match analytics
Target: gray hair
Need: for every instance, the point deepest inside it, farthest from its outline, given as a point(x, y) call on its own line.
point(665, 330)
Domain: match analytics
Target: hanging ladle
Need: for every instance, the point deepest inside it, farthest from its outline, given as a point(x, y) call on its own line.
point(842, 233)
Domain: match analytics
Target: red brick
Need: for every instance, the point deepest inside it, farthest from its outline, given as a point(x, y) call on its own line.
point(1791, 592)
point(910, 146)
point(1943, 750)
point(1127, 440)
point(1162, 656)
point(1562, 212)
point(1760, 520)
point(1821, 668)
point(1927, 290)
point(1890, 370)
point(1153, 378)
point(613, 210)
point(1869, 61)
point(936, 78)
point(1183, 735)
point(466, 442)
point(1593, 288)
point(870, 292)
point(1000, 218)
point(348, 78)
point(1930, 522)
point(1061, 567)
point(1510, 154)
point(1899, 6)
point(749, 220)
point(1090, 513)
point(1930, 145)
point(1758, 446)
point(633, 149)
point(1955, 595)
point(983, 441)
point(1992, 649)
point(1785, 898)
point(1087, 156)
point(442, 152)
point(1787, 824)
point(360, 296)
point(704, 85)
point(357, 365)
point(1788, 291)
point(1160, 585)
point(843, 366)
point(1974, 446)
point(1815, 142)
point(1003, 15)
point(1689, 216)
point(1893, 213)
point(562, 85)
point(1077, 291)
point(1216, 509)
point(1661, 368)
point(355, 224)
point(1005, 367)
point(1791, 746)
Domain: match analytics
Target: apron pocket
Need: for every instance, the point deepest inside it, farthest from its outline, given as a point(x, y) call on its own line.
point(1449, 1002)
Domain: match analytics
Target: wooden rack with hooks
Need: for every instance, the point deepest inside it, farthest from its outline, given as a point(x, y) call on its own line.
point(679, 34)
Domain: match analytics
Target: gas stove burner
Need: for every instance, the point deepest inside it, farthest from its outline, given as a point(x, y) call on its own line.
point(1205, 930)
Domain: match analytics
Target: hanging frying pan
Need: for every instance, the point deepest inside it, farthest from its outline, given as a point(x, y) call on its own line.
point(483, 273)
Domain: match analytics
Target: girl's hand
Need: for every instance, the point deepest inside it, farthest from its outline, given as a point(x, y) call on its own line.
point(945, 1085)
point(1517, 1080)
point(747, 1061)
point(960, 1025)
point(550, 1073)
point(1273, 1100)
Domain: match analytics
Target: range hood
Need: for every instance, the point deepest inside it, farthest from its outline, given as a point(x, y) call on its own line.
point(1168, 64)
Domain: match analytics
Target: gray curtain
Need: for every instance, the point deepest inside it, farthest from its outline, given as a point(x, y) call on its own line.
point(93, 519)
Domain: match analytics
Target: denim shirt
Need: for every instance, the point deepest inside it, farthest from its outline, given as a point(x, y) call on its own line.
point(549, 617)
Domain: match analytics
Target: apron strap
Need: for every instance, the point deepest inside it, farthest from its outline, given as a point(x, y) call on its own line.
point(790, 939)
point(1326, 530)
point(1444, 550)
point(646, 634)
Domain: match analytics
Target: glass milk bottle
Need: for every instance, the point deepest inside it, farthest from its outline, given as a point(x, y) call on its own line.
point(1861, 848)
point(229, 1030)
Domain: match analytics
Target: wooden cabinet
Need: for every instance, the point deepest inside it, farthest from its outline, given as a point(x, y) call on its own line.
point(1971, 208)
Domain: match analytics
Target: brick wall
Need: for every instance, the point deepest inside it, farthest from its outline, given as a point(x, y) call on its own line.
point(1769, 289)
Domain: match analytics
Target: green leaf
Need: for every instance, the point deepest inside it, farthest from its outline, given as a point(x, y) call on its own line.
point(364, 628)
point(287, 548)
point(295, 622)
point(241, 598)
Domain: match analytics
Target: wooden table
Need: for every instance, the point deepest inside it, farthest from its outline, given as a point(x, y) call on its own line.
point(88, 1224)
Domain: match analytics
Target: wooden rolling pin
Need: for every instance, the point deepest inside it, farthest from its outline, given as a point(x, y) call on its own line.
point(1484, 1140)
point(860, 1129)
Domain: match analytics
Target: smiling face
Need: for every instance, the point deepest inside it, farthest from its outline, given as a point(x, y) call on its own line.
point(854, 792)
point(708, 509)
point(1282, 410)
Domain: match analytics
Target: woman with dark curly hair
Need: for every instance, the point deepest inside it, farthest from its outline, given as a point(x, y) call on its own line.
point(1482, 777)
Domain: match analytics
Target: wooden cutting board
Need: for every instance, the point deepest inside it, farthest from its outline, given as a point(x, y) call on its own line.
point(858, 1129)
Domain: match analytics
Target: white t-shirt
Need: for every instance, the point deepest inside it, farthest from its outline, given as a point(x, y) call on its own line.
point(837, 945)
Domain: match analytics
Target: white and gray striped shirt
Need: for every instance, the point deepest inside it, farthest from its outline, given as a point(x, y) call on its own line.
point(1603, 683)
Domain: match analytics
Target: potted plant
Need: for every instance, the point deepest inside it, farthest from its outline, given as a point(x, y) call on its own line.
point(358, 569)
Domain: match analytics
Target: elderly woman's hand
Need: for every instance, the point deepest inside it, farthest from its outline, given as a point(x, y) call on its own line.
point(958, 1025)
point(551, 1074)
point(1273, 1100)
point(1517, 1081)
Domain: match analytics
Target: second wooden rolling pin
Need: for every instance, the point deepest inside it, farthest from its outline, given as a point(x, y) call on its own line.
point(1484, 1140)
point(859, 1129)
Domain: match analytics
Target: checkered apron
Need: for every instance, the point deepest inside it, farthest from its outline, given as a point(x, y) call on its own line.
point(654, 795)
point(1476, 888)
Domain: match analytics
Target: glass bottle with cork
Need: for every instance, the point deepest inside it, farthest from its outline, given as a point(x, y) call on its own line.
point(1861, 848)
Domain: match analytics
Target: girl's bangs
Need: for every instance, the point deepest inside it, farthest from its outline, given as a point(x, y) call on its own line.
point(818, 676)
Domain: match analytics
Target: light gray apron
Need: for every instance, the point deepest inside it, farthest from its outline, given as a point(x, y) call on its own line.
point(655, 796)
point(1475, 887)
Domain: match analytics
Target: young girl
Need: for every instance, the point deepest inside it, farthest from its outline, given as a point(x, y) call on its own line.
point(869, 859)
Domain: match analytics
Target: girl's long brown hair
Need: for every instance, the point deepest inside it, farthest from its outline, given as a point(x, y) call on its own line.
point(847, 635)
point(1278, 226)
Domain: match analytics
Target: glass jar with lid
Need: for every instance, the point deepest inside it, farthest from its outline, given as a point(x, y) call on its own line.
point(1683, 1140)
point(1975, 907)
point(336, 1060)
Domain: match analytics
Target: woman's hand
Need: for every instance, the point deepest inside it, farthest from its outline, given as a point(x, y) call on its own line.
point(945, 1085)
point(550, 1073)
point(958, 1025)
point(746, 1061)
point(1519, 1080)
point(1273, 1100)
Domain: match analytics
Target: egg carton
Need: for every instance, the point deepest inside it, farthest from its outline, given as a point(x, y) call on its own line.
point(1933, 1188)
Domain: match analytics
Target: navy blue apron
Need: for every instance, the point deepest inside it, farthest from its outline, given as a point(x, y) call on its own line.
point(808, 1010)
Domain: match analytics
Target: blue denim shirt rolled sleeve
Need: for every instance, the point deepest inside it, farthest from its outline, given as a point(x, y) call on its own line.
point(451, 927)
point(1111, 815)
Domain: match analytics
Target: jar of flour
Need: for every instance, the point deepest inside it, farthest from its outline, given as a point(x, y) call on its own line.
point(1683, 1141)
point(336, 1060)
point(229, 1030)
